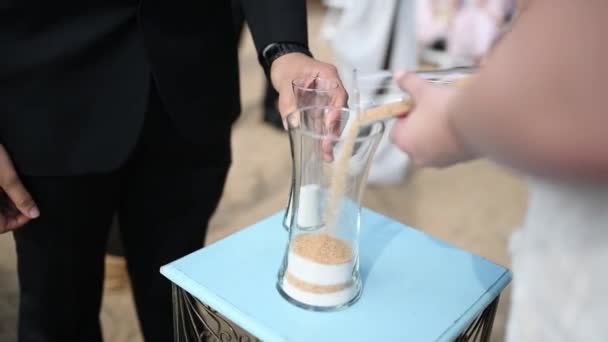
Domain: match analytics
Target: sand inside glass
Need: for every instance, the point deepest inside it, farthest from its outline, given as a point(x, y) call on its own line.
point(320, 263)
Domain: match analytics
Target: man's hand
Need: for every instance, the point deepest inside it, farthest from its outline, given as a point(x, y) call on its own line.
point(425, 133)
point(16, 205)
point(291, 66)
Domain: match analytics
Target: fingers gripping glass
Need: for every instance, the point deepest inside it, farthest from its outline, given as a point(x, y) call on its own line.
point(315, 91)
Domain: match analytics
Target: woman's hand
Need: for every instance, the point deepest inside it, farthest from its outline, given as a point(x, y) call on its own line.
point(425, 133)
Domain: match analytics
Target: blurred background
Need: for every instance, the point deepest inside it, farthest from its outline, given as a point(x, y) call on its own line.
point(474, 206)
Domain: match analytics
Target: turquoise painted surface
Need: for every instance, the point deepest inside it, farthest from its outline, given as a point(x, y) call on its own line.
point(416, 288)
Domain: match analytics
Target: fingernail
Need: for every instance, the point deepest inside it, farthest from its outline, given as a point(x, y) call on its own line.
point(399, 74)
point(33, 212)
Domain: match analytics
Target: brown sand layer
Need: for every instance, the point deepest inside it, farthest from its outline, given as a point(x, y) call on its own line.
point(322, 248)
point(313, 288)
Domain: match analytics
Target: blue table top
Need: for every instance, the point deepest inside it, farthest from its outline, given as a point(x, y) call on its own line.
point(415, 287)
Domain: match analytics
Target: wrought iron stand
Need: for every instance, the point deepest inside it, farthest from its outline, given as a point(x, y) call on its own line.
point(481, 328)
point(197, 322)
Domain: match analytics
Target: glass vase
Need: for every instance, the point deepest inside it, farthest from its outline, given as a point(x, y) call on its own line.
point(320, 269)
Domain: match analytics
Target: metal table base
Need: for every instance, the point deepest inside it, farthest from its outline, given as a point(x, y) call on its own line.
point(197, 322)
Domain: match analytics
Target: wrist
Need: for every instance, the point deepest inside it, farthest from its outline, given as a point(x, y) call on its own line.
point(454, 123)
point(275, 51)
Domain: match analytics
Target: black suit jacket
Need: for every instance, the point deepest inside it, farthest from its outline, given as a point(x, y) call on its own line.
point(75, 75)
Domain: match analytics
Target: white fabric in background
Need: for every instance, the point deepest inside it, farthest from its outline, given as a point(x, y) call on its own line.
point(359, 32)
point(472, 32)
point(431, 27)
point(560, 265)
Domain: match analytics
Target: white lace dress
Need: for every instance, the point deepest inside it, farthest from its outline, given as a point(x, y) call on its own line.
point(560, 265)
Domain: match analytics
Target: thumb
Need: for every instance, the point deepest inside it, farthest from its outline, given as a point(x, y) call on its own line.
point(14, 189)
point(21, 198)
point(411, 83)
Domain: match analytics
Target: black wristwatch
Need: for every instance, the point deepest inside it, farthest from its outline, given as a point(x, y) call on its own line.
point(276, 50)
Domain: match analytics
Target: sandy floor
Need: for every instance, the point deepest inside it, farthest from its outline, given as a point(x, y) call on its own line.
point(474, 206)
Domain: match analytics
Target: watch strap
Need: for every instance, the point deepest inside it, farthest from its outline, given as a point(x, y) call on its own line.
point(275, 50)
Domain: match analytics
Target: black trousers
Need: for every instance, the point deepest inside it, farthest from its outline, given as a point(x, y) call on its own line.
point(164, 196)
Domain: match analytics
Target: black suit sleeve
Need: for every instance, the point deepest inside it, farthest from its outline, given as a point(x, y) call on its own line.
point(272, 21)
